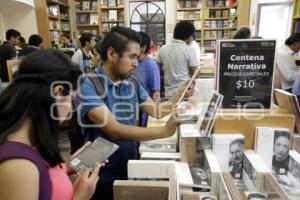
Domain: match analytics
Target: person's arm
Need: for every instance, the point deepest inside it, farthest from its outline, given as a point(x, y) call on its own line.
point(154, 79)
point(160, 110)
point(193, 62)
point(103, 118)
point(19, 180)
point(156, 96)
point(12, 53)
point(287, 66)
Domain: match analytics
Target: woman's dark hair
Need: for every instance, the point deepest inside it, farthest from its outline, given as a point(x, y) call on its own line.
point(183, 30)
point(292, 39)
point(145, 41)
point(29, 97)
point(242, 33)
point(118, 38)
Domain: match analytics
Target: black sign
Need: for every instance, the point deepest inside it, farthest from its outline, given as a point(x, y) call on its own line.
point(245, 72)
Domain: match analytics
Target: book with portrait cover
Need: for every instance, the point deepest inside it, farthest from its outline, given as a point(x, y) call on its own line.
point(229, 150)
point(272, 145)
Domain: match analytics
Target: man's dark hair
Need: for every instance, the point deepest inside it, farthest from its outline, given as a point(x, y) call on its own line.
point(66, 36)
point(183, 30)
point(118, 38)
point(145, 41)
point(12, 33)
point(22, 40)
point(29, 97)
point(85, 37)
point(292, 39)
point(281, 133)
point(35, 40)
point(242, 33)
point(97, 47)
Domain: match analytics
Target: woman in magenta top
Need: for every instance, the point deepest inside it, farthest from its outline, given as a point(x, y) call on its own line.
point(31, 109)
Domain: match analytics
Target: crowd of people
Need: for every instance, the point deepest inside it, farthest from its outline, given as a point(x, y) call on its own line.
point(46, 90)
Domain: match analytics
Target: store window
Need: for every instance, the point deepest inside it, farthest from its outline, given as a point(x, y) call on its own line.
point(149, 16)
point(279, 12)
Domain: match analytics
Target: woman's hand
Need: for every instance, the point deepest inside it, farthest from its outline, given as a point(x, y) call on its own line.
point(85, 184)
point(70, 170)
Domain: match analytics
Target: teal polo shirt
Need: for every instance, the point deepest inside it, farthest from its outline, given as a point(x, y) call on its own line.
point(123, 101)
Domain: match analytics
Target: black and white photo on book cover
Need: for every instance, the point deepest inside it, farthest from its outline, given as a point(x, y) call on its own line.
point(236, 157)
point(245, 73)
point(207, 116)
point(281, 146)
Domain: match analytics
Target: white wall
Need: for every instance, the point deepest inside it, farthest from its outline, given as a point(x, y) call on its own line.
point(253, 12)
point(18, 15)
point(170, 19)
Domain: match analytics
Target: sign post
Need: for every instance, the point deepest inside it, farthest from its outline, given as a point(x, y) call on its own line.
point(245, 73)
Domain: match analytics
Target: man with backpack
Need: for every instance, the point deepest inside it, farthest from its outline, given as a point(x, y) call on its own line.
point(112, 113)
point(83, 56)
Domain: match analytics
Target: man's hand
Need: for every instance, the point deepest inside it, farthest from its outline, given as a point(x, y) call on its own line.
point(171, 125)
point(184, 92)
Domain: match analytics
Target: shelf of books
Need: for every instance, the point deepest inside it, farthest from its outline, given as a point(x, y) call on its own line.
point(112, 14)
point(296, 17)
point(87, 16)
point(58, 19)
point(213, 19)
point(96, 16)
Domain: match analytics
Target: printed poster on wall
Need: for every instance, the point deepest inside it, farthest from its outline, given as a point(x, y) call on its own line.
point(245, 73)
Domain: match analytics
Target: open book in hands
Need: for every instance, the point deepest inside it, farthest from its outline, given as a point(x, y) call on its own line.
point(96, 152)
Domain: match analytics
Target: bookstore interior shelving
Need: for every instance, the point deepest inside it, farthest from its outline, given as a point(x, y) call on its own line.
point(53, 17)
point(213, 19)
point(98, 16)
point(296, 17)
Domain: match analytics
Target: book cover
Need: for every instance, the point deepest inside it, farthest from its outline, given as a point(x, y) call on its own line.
point(112, 15)
point(273, 145)
point(82, 19)
point(229, 150)
point(94, 5)
point(97, 152)
point(86, 5)
point(112, 3)
point(94, 18)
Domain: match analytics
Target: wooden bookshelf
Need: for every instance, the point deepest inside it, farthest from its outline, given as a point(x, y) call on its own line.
point(53, 18)
point(296, 17)
point(213, 19)
point(98, 16)
point(111, 14)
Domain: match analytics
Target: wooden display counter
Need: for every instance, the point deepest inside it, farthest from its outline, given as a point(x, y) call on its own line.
point(246, 122)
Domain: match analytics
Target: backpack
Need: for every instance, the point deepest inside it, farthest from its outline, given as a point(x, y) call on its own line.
point(75, 132)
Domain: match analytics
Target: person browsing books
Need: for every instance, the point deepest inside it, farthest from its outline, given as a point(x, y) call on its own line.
point(113, 116)
point(147, 72)
point(286, 62)
point(33, 107)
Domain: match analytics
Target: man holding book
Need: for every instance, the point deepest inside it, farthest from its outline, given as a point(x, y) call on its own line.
point(113, 115)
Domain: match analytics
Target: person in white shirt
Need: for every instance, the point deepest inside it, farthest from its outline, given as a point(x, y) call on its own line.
point(177, 59)
point(195, 46)
point(286, 62)
point(83, 56)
